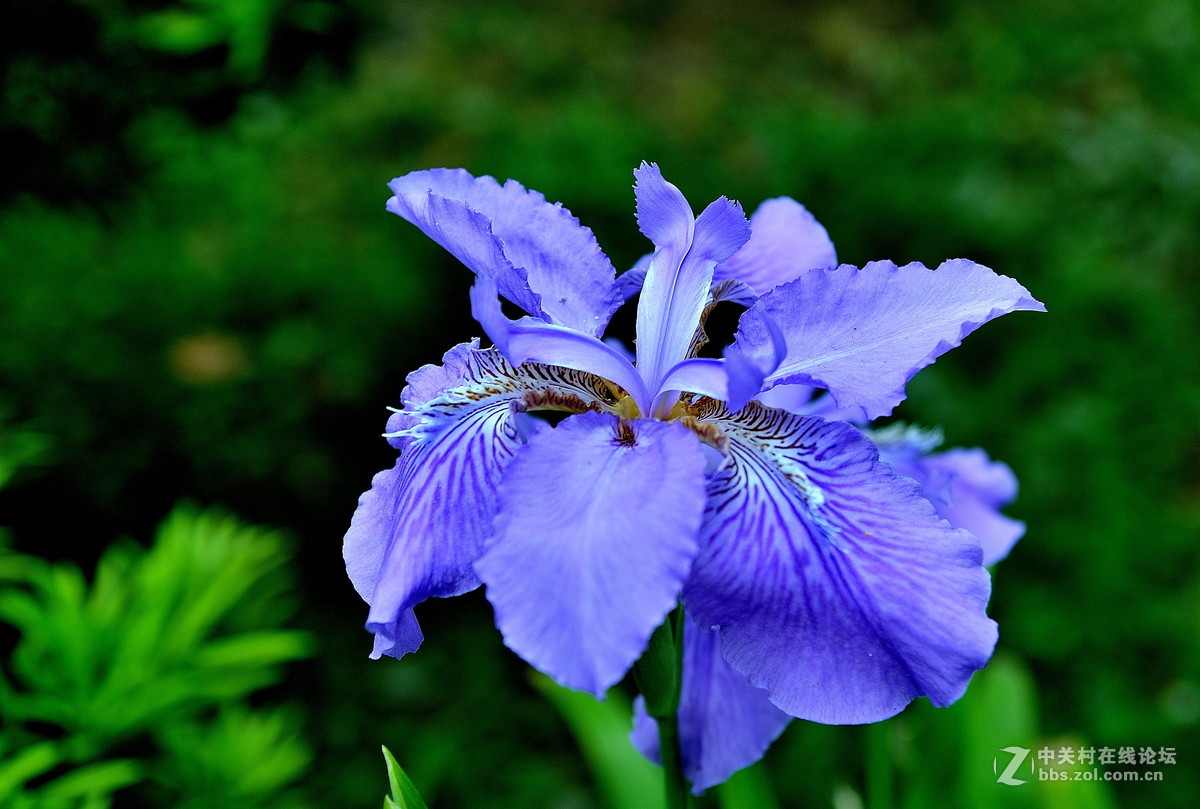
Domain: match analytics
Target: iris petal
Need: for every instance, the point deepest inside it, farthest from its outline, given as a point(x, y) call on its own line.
point(530, 340)
point(805, 400)
point(595, 535)
point(679, 275)
point(785, 242)
point(630, 282)
point(792, 398)
point(398, 637)
point(419, 529)
point(725, 724)
point(425, 520)
point(542, 259)
point(967, 488)
point(701, 375)
point(862, 334)
point(834, 584)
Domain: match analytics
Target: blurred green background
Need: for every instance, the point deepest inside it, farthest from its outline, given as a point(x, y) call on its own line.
point(202, 298)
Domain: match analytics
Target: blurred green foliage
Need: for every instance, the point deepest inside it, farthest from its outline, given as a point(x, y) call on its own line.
point(243, 27)
point(79, 74)
point(932, 754)
point(200, 295)
point(139, 679)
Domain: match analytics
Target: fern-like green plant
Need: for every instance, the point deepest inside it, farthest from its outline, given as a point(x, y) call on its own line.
point(156, 654)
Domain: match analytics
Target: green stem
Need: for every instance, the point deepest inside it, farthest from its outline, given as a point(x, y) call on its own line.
point(659, 675)
point(879, 766)
point(672, 764)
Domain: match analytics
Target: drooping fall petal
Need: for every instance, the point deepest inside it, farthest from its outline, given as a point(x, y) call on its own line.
point(595, 535)
point(835, 585)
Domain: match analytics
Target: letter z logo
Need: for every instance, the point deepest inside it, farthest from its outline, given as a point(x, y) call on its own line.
point(1019, 754)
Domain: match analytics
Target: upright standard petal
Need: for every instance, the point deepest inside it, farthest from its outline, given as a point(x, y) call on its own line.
point(785, 242)
point(595, 535)
point(515, 236)
point(725, 724)
point(834, 584)
point(419, 529)
point(862, 334)
point(680, 273)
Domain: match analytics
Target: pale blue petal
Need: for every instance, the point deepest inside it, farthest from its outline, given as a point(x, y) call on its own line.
point(425, 521)
point(806, 400)
point(494, 229)
point(746, 370)
point(792, 398)
point(967, 488)
point(680, 274)
point(467, 235)
point(734, 290)
point(630, 282)
point(618, 345)
point(835, 585)
point(725, 724)
point(785, 242)
point(701, 375)
point(530, 340)
point(419, 529)
point(397, 638)
point(862, 334)
point(594, 538)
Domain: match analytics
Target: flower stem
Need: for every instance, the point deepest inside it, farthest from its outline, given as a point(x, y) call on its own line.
point(879, 766)
point(659, 675)
point(673, 781)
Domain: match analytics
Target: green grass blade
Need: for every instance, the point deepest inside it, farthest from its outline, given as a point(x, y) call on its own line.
point(747, 789)
point(404, 794)
point(602, 731)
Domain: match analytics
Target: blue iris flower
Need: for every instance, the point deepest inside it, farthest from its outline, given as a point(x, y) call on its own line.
point(820, 581)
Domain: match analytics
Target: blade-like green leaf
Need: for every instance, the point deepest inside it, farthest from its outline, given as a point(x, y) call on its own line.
point(998, 711)
point(29, 763)
point(602, 731)
point(747, 789)
point(404, 794)
point(254, 649)
point(97, 780)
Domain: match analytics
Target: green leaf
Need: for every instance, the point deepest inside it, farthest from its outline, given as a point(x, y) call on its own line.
point(658, 671)
point(255, 649)
point(998, 711)
point(207, 761)
point(29, 763)
point(602, 730)
point(1071, 794)
point(180, 32)
point(404, 794)
point(20, 449)
point(747, 789)
point(92, 781)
